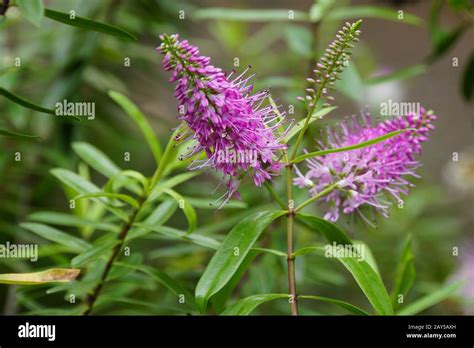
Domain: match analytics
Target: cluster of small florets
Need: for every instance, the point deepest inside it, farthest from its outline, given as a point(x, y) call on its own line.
point(223, 116)
point(363, 175)
point(335, 58)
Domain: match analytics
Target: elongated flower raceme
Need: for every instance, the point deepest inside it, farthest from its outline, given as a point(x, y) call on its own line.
point(230, 124)
point(363, 175)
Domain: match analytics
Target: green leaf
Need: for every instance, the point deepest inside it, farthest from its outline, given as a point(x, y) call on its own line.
point(56, 236)
point(347, 306)
point(398, 75)
point(230, 255)
point(247, 305)
point(357, 12)
point(220, 299)
point(119, 196)
point(64, 219)
point(177, 234)
point(320, 9)
point(317, 115)
point(405, 273)
point(74, 181)
point(299, 40)
point(137, 116)
point(162, 213)
point(351, 147)
point(271, 251)
point(366, 277)
point(54, 275)
point(10, 134)
point(188, 210)
point(205, 203)
point(430, 299)
point(368, 280)
point(94, 252)
point(252, 15)
point(351, 85)
point(88, 24)
point(444, 41)
point(368, 256)
point(370, 283)
point(170, 183)
point(25, 103)
point(33, 10)
point(96, 159)
point(468, 80)
point(163, 279)
point(327, 229)
point(84, 187)
point(122, 179)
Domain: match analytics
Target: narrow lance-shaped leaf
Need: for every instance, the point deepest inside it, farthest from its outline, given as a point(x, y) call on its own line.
point(220, 298)
point(119, 196)
point(165, 280)
point(65, 219)
point(351, 147)
point(398, 75)
point(366, 277)
point(56, 236)
point(94, 252)
point(347, 306)
point(368, 280)
point(88, 24)
point(252, 15)
point(82, 186)
point(330, 231)
point(25, 103)
point(96, 159)
point(173, 233)
point(137, 116)
point(231, 253)
point(405, 273)
point(247, 305)
point(128, 179)
point(188, 210)
point(317, 115)
point(348, 12)
point(430, 300)
point(32, 10)
point(170, 183)
point(11, 134)
point(50, 276)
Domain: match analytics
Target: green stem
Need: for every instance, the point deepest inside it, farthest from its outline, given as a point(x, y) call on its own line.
point(164, 160)
point(320, 194)
point(311, 111)
point(290, 243)
point(272, 192)
point(92, 297)
point(157, 176)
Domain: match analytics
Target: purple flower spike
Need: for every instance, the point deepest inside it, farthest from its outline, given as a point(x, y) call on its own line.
point(231, 126)
point(363, 175)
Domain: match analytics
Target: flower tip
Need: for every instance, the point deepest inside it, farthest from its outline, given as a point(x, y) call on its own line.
point(357, 24)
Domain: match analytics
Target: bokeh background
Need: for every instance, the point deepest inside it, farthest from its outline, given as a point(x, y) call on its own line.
point(425, 57)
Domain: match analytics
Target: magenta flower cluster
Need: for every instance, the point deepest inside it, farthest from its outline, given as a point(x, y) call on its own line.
point(222, 116)
point(364, 175)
